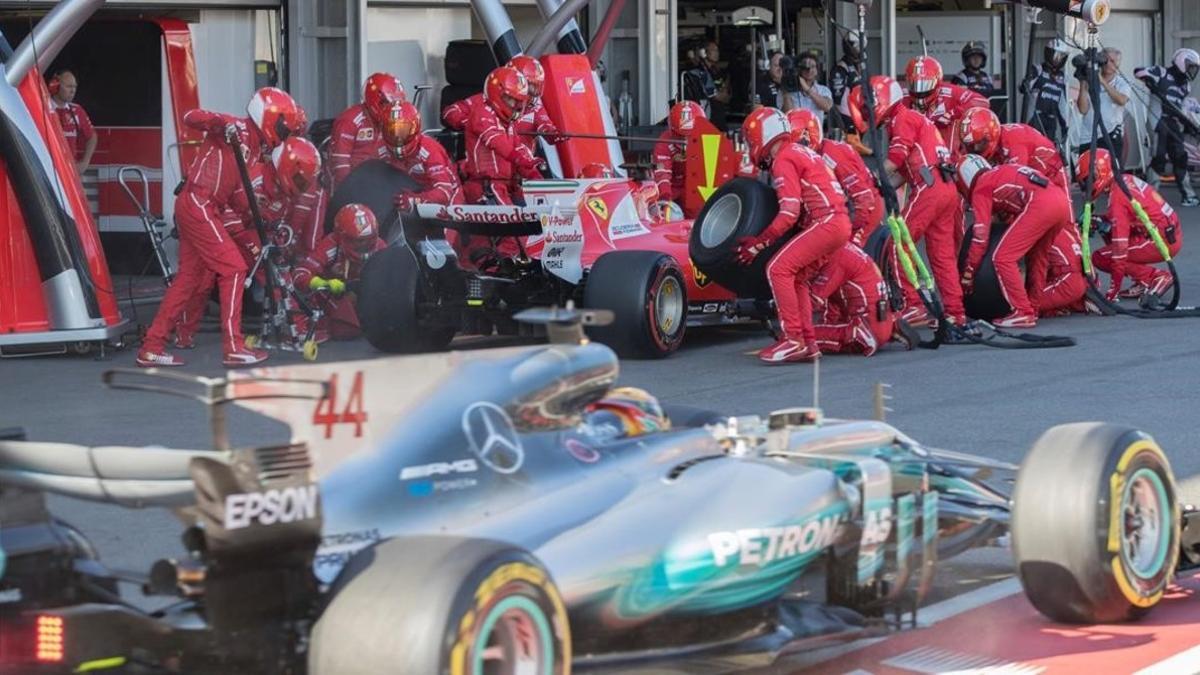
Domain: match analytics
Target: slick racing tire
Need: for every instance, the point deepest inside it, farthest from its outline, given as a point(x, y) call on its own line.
point(742, 207)
point(646, 293)
point(389, 294)
point(372, 184)
point(986, 300)
point(442, 606)
point(1095, 523)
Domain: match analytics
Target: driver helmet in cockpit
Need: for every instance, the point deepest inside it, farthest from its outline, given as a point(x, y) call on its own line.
point(627, 412)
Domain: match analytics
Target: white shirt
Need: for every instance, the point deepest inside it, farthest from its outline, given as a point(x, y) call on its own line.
point(1112, 114)
point(805, 101)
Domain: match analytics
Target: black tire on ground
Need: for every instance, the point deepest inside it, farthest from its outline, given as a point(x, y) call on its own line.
point(986, 301)
point(389, 289)
point(646, 292)
point(740, 208)
point(1095, 523)
point(372, 184)
point(399, 607)
point(468, 62)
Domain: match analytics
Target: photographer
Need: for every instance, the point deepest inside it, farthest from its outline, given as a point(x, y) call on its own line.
point(1170, 86)
point(808, 93)
point(769, 90)
point(1044, 89)
point(1113, 97)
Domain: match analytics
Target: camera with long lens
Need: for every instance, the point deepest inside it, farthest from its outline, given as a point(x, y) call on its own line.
point(791, 73)
point(1080, 61)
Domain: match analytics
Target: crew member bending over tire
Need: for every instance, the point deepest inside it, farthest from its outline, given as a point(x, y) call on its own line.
point(810, 197)
point(865, 202)
point(1036, 211)
point(943, 103)
point(336, 264)
point(1130, 250)
point(1064, 290)
point(917, 156)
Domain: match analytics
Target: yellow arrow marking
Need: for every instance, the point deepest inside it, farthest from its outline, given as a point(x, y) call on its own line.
point(711, 147)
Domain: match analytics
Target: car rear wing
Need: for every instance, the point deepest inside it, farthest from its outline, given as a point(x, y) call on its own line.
point(152, 475)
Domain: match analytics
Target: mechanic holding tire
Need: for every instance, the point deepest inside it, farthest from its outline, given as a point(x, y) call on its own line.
point(809, 196)
point(1036, 210)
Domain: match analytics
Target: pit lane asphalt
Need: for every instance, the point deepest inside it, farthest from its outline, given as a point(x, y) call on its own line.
point(986, 401)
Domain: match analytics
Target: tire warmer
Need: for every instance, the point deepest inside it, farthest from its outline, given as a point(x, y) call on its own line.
point(60, 243)
point(1171, 310)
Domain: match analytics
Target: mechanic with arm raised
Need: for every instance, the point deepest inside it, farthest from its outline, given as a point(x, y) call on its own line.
point(811, 201)
point(916, 155)
point(864, 200)
point(355, 137)
point(204, 245)
point(669, 156)
point(942, 102)
point(1131, 250)
point(1035, 211)
point(336, 264)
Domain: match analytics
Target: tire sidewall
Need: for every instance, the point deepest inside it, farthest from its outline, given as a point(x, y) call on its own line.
point(505, 575)
point(758, 206)
point(663, 343)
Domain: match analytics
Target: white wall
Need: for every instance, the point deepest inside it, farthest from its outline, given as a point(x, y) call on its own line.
point(224, 45)
point(430, 29)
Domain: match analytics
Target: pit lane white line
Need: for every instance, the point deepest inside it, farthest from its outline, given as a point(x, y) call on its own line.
point(927, 616)
point(1183, 662)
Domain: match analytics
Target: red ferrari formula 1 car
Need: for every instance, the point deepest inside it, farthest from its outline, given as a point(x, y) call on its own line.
point(601, 243)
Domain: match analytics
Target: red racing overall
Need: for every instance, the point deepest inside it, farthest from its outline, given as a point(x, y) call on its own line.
point(1130, 249)
point(866, 204)
point(851, 296)
point(329, 261)
point(352, 141)
point(1064, 287)
point(1036, 211)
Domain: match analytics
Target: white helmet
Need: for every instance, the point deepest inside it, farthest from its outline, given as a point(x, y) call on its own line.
point(1187, 61)
point(1056, 52)
point(969, 168)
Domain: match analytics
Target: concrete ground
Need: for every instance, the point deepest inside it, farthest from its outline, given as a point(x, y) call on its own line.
point(990, 402)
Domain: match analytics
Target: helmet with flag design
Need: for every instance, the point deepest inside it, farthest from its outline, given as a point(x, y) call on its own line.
point(507, 92)
point(402, 129)
point(356, 230)
point(1103, 165)
point(534, 74)
point(923, 76)
point(979, 132)
point(763, 129)
point(887, 94)
point(806, 128)
point(968, 170)
point(631, 410)
point(297, 164)
point(597, 170)
point(683, 116)
point(381, 92)
point(276, 115)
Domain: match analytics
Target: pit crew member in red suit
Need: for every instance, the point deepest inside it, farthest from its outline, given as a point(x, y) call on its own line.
point(810, 201)
point(356, 136)
point(336, 263)
point(669, 156)
point(866, 204)
point(1130, 250)
point(535, 121)
point(980, 133)
point(1064, 290)
point(917, 156)
point(291, 177)
point(851, 297)
point(942, 102)
point(1035, 210)
point(204, 245)
point(495, 154)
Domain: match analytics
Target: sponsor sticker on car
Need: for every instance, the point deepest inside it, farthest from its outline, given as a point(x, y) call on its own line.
point(761, 546)
point(289, 505)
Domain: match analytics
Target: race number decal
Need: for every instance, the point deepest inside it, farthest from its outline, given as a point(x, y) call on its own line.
point(326, 413)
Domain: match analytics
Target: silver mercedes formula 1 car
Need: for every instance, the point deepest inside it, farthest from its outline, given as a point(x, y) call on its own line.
point(510, 511)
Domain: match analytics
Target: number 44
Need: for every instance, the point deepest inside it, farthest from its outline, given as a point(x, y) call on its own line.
point(326, 413)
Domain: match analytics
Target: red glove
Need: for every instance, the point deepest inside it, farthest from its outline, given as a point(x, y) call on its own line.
point(749, 248)
point(405, 202)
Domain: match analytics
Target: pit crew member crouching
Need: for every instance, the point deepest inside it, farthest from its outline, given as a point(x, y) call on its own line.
point(332, 269)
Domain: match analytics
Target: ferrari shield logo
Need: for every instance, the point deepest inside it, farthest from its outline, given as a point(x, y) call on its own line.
point(699, 277)
point(598, 207)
